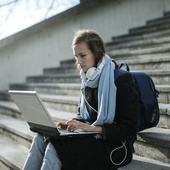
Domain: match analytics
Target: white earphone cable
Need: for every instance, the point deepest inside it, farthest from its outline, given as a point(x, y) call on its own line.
point(123, 145)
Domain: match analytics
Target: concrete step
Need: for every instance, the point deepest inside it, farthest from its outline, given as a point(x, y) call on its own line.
point(167, 14)
point(159, 21)
point(4, 96)
point(162, 48)
point(141, 43)
point(70, 104)
point(139, 56)
point(133, 37)
point(164, 93)
point(161, 77)
point(72, 89)
point(58, 102)
point(154, 143)
point(66, 63)
point(60, 78)
point(151, 27)
point(18, 129)
point(12, 154)
point(164, 121)
point(142, 163)
point(147, 63)
point(66, 66)
point(9, 108)
point(60, 70)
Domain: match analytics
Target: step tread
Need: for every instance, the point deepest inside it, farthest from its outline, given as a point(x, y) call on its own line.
point(52, 85)
point(149, 28)
point(12, 153)
point(138, 43)
point(147, 60)
point(164, 108)
point(134, 37)
point(137, 51)
point(56, 114)
point(61, 97)
point(158, 73)
point(70, 75)
point(61, 114)
point(142, 163)
point(158, 136)
point(21, 128)
point(16, 126)
point(162, 87)
point(51, 97)
point(158, 21)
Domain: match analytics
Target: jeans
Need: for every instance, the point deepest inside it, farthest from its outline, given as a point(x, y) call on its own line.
point(42, 156)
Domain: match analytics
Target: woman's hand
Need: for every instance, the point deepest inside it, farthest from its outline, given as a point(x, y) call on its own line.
point(61, 124)
point(74, 125)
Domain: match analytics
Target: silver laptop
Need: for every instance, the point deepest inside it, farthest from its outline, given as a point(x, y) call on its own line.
point(38, 117)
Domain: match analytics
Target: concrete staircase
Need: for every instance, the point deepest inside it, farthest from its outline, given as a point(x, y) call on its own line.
point(144, 48)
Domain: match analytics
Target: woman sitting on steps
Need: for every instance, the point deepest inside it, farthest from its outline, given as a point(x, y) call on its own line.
point(109, 107)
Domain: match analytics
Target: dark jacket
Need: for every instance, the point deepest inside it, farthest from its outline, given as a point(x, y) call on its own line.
point(123, 128)
point(126, 119)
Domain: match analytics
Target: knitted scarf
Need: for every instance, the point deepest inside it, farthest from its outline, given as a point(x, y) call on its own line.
point(104, 80)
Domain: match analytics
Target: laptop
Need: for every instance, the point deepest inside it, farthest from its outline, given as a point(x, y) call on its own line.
point(38, 117)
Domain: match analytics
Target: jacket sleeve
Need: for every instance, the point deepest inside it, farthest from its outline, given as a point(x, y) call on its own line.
point(127, 111)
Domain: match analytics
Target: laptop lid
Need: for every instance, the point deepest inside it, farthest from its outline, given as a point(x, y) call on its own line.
point(37, 116)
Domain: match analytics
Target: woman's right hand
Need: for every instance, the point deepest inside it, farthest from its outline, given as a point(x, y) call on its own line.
point(61, 124)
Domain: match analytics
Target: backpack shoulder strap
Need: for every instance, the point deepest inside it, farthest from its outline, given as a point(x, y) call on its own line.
point(118, 71)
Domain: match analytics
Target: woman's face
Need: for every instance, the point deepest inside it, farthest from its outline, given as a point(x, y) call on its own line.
point(84, 57)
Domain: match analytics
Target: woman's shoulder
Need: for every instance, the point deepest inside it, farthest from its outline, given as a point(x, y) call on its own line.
point(125, 78)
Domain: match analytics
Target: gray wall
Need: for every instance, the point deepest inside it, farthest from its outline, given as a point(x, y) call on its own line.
point(45, 44)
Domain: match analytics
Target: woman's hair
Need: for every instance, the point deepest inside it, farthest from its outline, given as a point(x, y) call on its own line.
point(93, 41)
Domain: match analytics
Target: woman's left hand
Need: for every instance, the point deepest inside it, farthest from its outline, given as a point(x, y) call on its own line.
point(74, 124)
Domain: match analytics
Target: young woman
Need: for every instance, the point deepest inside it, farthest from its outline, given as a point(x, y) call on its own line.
point(109, 107)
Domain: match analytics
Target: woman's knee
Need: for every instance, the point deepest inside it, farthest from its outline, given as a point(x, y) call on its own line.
point(38, 138)
point(39, 141)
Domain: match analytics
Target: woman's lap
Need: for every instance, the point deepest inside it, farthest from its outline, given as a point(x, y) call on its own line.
point(81, 153)
point(86, 153)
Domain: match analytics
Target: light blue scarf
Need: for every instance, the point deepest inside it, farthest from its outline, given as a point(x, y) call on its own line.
point(104, 80)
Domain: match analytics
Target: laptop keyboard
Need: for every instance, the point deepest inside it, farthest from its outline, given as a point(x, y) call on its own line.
point(63, 130)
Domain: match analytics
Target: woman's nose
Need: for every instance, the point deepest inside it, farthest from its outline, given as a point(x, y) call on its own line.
point(79, 61)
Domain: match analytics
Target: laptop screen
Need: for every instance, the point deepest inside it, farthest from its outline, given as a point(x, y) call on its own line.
point(31, 107)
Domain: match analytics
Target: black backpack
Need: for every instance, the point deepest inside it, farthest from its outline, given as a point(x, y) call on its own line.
point(149, 108)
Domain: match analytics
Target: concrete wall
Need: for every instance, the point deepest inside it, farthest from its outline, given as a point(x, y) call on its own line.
point(45, 44)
